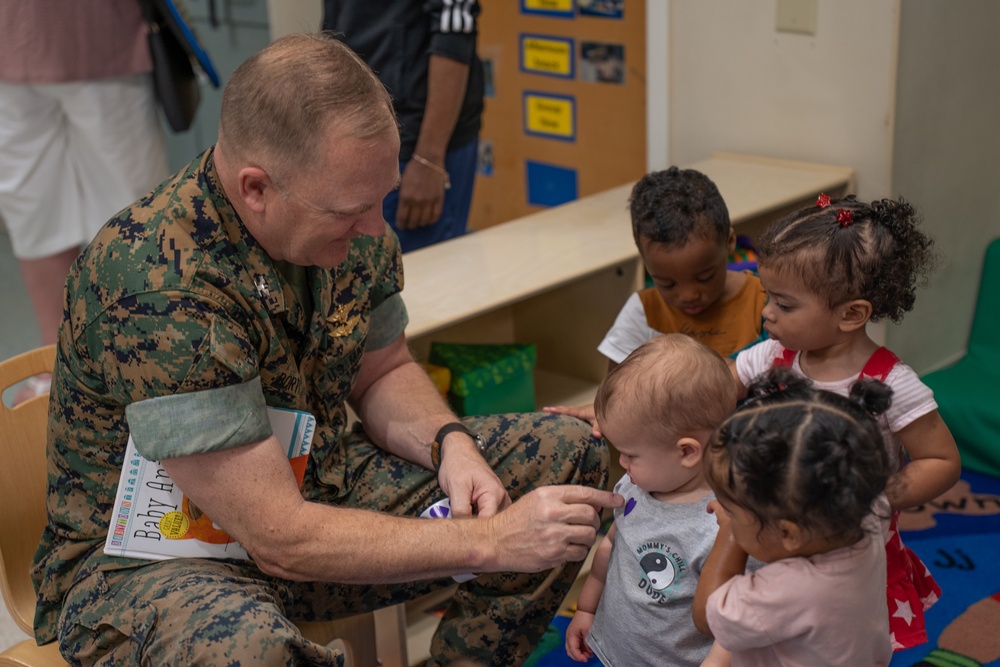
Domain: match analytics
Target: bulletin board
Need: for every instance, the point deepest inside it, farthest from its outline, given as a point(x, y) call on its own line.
point(565, 108)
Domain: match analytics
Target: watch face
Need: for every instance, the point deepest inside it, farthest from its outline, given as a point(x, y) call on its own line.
point(436, 454)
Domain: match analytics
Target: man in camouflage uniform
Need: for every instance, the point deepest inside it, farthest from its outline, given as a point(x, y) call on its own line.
point(262, 274)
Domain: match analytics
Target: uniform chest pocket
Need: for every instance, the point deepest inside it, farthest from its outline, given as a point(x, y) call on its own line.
point(340, 356)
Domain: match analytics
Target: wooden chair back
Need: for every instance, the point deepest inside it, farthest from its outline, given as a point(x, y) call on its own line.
point(22, 497)
point(22, 483)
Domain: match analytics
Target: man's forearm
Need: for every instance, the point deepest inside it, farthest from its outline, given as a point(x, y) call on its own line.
point(251, 492)
point(402, 411)
point(446, 83)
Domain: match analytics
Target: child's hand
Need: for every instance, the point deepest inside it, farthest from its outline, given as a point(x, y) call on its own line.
point(718, 657)
point(582, 412)
point(721, 516)
point(576, 636)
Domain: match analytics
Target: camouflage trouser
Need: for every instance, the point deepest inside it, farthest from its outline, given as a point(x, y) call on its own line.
point(204, 612)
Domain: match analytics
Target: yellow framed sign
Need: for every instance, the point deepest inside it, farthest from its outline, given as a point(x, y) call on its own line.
point(546, 55)
point(549, 115)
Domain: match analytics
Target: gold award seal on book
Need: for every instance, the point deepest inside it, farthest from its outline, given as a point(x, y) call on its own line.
point(174, 525)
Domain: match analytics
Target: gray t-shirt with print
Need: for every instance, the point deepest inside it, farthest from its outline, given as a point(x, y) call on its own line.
point(644, 617)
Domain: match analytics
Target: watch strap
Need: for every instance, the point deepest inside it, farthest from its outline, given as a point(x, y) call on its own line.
point(443, 432)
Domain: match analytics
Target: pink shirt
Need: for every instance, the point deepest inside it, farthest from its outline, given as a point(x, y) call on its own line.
point(58, 41)
point(828, 609)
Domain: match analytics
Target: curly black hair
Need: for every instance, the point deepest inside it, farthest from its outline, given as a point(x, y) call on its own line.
point(803, 454)
point(873, 252)
point(673, 205)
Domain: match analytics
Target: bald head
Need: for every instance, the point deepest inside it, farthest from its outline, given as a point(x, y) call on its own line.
point(281, 102)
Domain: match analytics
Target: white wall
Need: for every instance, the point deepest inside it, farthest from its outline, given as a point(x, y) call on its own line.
point(947, 162)
point(657, 84)
point(288, 16)
point(738, 84)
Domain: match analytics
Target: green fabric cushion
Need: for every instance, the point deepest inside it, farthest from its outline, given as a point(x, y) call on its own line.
point(968, 393)
point(968, 396)
point(488, 379)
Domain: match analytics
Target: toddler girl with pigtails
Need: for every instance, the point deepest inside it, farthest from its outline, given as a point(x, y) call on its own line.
point(798, 474)
point(828, 270)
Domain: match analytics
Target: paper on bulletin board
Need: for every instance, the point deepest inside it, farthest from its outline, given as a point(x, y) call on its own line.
point(550, 56)
point(602, 62)
point(549, 115)
point(550, 184)
point(485, 158)
point(558, 8)
point(613, 9)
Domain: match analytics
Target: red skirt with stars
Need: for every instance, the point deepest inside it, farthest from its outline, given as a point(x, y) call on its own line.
point(910, 591)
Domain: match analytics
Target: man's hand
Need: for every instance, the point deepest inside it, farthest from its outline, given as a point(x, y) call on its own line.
point(549, 526)
point(421, 196)
point(470, 483)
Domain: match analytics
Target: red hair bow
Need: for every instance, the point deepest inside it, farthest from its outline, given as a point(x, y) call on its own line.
point(844, 217)
point(822, 201)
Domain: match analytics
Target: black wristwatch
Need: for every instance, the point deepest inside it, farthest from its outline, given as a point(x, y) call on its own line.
point(443, 433)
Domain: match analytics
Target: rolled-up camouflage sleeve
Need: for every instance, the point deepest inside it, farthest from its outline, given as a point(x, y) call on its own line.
point(388, 322)
point(199, 421)
point(453, 28)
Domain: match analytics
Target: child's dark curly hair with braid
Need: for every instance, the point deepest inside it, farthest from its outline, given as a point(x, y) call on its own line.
point(798, 473)
point(852, 250)
point(801, 454)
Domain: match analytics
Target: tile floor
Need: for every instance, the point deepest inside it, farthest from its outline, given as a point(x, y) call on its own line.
point(18, 333)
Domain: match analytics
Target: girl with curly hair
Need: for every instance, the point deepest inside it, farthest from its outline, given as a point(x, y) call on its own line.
point(828, 270)
point(798, 474)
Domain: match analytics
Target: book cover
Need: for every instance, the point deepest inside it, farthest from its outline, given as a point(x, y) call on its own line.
point(180, 23)
point(152, 519)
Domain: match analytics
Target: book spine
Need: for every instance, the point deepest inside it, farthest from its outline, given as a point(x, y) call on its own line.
point(128, 492)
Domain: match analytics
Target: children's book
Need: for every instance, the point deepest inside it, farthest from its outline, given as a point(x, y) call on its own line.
point(152, 519)
point(179, 21)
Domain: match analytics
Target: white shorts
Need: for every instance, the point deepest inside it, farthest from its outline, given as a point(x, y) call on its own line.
point(72, 155)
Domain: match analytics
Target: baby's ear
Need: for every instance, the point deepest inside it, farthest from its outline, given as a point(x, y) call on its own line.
point(855, 314)
point(691, 450)
point(792, 535)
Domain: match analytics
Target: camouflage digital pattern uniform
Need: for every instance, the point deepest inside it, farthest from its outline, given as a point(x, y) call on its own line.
point(165, 302)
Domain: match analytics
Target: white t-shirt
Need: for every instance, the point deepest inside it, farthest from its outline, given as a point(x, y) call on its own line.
point(911, 398)
point(629, 331)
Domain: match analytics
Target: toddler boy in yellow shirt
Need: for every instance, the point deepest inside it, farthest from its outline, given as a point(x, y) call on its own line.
point(682, 230)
